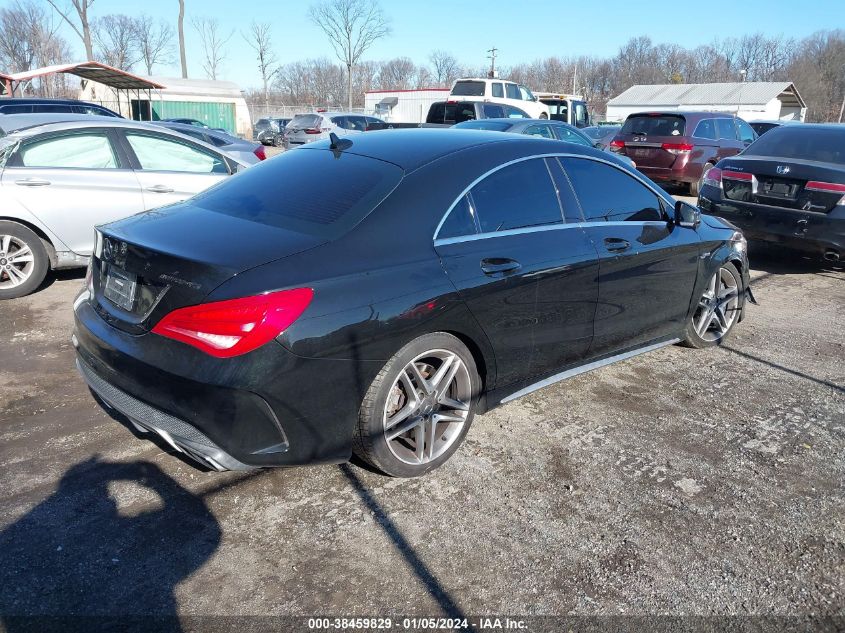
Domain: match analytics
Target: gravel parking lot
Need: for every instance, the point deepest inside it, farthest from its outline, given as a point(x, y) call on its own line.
point(681, 482)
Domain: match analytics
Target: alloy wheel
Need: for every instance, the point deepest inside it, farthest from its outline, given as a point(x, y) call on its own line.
point(17, 262)
point(427, 407)
point(718, 307)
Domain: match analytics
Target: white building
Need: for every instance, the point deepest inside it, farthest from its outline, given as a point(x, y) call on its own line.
point(750, 100)
point(403, 106)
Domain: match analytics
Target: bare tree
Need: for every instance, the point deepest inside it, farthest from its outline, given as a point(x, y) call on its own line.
point(117, 41)
point(445, 66)
point(29, 38)
point(181, 27)
point(397, 74)
point(83, 29)
point(213, 42)
point(260, 39)
point(352, 26)
point(155, 42)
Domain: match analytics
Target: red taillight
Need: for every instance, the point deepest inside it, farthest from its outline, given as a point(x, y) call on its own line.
point(230, 328)
point(312, 130)
point(827, 187)
point(735, 175)
point(259, 151)
point(713, 177)
point(677, 148)
point(616, 145)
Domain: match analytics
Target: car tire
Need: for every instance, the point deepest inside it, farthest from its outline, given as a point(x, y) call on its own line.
point(718, 309)
point(20, 274)
point(408, 436)
point(695, 187)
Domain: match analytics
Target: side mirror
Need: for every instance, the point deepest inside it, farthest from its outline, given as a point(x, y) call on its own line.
point(687, 215)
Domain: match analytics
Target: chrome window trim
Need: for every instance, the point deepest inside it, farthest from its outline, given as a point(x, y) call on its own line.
point(540, 228)
point(452, 240)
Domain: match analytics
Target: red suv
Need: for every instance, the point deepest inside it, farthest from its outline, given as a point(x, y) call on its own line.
point(681, 147)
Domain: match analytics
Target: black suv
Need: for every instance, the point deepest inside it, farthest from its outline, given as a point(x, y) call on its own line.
point(48, 106)
point(446, 113)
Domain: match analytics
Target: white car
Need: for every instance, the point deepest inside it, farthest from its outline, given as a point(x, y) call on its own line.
point(59, 180)
point(500, 91)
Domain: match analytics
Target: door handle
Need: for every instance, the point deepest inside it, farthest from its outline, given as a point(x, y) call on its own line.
point(499, 265)
point(616, 244)
point(160, 189)
point(32, 182)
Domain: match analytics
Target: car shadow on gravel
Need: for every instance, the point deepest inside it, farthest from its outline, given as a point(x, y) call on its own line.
point(794, 372)
point(106, 549)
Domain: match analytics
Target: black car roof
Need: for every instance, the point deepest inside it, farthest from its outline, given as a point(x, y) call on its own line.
point(413, 148)
point(25, 100)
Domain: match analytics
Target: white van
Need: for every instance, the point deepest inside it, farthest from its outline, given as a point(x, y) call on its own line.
point(500, 91)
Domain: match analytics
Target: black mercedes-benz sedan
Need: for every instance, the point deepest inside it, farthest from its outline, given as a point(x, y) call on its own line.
point(787, 188)
point(373, 294)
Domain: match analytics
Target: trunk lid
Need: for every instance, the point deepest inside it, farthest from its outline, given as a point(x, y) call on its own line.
point(782, 182)
point(149, 264)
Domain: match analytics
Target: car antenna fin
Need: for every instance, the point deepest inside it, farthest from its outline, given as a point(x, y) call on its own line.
point(338, 144)
point(335, 140)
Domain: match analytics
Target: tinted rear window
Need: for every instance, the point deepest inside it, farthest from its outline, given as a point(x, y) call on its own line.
point(305, 120)
point(469, 89)
point(825, 145)
point(655, 125)
point(307, 190)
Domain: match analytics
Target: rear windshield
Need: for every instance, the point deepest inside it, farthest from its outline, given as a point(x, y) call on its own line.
point(308, 190)
point(655, 125)
point(302, 121)
point(801, 142)
point(495, 126)
point(469, 89)
point(453, 112)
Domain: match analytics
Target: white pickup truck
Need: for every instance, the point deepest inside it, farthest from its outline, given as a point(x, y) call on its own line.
point(499, 91)
point(568, 108)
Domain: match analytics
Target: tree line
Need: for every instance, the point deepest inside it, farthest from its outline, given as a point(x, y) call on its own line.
point(29, 38)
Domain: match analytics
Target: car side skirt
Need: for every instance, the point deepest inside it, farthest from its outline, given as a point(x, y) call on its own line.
point(504, 396)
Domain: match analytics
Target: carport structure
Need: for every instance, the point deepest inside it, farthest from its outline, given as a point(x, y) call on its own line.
point(122, 82)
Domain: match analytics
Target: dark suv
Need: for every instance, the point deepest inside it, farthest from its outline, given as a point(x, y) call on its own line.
point(62, 106)
point(447, 113)
point(680, 147)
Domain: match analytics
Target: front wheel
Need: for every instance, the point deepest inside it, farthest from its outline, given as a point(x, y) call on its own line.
point(23, 260)
point(718, 309)
point(419, 408)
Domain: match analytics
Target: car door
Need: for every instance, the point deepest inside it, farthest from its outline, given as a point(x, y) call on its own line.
point(528, 277)
point(171, 169)
point(72, 181)
point(647, 264)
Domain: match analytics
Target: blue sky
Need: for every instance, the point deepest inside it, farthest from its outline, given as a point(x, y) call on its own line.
point(522, 31)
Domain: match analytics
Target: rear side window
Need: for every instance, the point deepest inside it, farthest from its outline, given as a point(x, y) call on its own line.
point(498, 91)
point(517, 196)
point(706, 128)
point(725, 129)
point(155, 153)
point(493, 111)
point(804, 142)
point(609, 194)
point(468, 89)
point(16, 109)
point(77, 151)
point(655, 125)
point(459, 112)
point(570, 136)
point(290, 191)
point(512, 91)
point(459, 222)
point(746, 132)
point(539, 130)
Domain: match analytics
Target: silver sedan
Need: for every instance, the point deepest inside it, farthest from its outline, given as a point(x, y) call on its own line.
point(59, 180)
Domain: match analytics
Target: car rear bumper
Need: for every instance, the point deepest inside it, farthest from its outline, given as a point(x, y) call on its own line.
point(821, 234)
point(266, 408)
point(687, 173)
